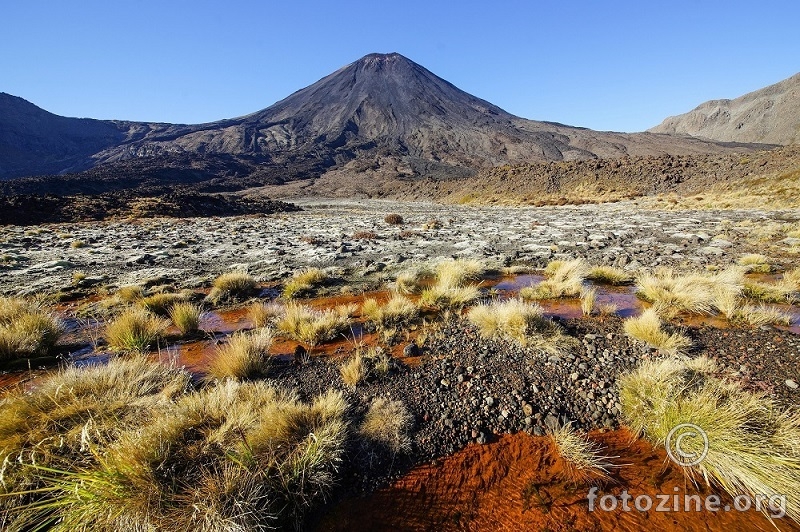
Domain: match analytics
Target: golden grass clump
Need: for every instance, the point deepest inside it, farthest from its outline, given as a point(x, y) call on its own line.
point(442, 297)
point(27, 328)
point(782, 291)
point(457, 272)
point(186, 317)
point(303, 282)
point(245, 355)
point(583, 459)
point(411, 281)
point(265, 314)
point(130, 294)
point(135, 330)
point(354, 370)
point(793, 277)
point(232, 286)
point(588, 300)
point(647, 328)
point(398, 311)
point(694, 293)
point(388, 423)
point(67, 420)
point(162, 303)
point(753, 446)
point(519, 321)
point(236, 456)
point(313, 327)
point(564, 279)
point(755, 263)
point(609, 275)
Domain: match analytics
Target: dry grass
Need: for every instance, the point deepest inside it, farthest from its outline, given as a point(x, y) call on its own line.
point(411, 281)
point(564, 279)
point(582, 458)
point(162, 303)
point(27, 328)
point(135, 330)
point(354, 370)
point(605, 310)
point(388, 423)
point(755, 263)
point(245, 355)
point(186, 317)
point(265, 314)
point(303, 282)
point(67, 420)
point(232, 286)
point(313, 327)
point(519, 321)
point(609, 275)
point(780, 292)
point(130, 294)
point(647, 328)
point(588, 300)
point(237, 456)
point(448, 297)
point(753, 446)
point(457, 272)
point(793, 277)
point(695, 293)
point(396, 312)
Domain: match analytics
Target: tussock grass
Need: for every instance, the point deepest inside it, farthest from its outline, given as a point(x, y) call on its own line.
point(135, 330)
point(583, 459)
point(130, 294)
point(441, 297)
point(693, 293)
point(588, 300)
point(245, 355)
point(753, 446)
point(237, 456)
point(647, 328)
point(457, 272)
point(609, 275)
point(354, 370)
point(186, 317)
point(793, 277)
point(396, 312)
point(67, 420)
point(303, 282)
point(519, 321)
point(411, 281)
point(232, 286)
point(26, 328)
point(162, 303)
point(265, 314)
point(393, 219)
point(388, 423)
point(782, 291)
point(606, 310)
point(755, 263)
point(313, 327)
point(564, 279)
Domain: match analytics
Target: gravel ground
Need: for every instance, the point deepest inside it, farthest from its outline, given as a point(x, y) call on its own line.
point(191, 251)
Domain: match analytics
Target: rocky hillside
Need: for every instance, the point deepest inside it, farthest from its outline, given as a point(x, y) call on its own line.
point(383, 113)
point(770, 115)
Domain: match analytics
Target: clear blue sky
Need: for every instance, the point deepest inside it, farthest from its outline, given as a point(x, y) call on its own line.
point(603, 64)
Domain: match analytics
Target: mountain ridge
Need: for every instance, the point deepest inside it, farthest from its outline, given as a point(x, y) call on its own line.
point(382, 112)
point(769, 115)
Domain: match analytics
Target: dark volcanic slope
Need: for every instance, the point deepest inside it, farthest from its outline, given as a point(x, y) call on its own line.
point(383, 112)
point(769, 115)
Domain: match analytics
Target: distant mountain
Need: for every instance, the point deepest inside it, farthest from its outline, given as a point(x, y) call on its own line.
point(383, 113)
point(770, 115)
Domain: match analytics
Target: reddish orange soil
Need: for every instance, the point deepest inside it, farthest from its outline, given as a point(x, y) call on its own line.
point(516, 484)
